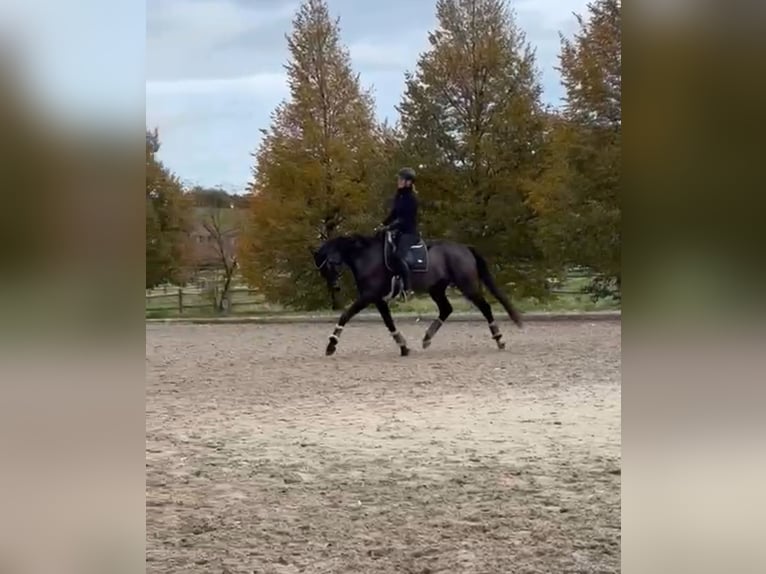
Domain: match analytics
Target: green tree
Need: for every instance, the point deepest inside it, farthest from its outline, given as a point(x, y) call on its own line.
point(472, 117)
point(315, 165)
point(577, 198)
point(167, 220)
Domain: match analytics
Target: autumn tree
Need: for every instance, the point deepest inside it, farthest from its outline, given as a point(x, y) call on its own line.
point(215, 197)
point(577, 198)
point(314, 165)
point(223, 226)
point(167, 220)
point(392, 157)
point(472, 116)
point(219, 219)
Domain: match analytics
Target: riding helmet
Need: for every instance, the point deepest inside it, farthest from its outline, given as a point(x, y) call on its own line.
point(407, 174)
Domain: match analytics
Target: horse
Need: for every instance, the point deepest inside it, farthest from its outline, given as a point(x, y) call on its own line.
point(434, 266)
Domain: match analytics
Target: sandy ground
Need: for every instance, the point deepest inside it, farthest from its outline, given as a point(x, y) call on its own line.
point(264, 456)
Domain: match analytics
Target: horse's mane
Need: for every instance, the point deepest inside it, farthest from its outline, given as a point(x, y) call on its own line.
point(361, 240)
point(352, 241)
point(356, 241)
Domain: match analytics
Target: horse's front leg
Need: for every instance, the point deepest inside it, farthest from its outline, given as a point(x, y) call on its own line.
point(345, 317)
point(385, 313)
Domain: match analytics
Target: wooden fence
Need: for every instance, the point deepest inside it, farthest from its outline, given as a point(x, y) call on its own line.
point(170, 299)
point(181, 299)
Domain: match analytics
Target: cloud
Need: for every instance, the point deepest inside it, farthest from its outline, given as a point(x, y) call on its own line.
point(205, 23)
point(198, 38)
point(378, 55)
point(215, 68)
point(257, 83)
point(549, 15)
point(542, 21)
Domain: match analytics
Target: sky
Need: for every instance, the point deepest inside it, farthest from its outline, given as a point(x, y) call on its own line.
point(214, 69)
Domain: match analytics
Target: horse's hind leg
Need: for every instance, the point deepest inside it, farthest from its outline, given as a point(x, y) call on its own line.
point(439, 295)
point(385, 313)
point(486, 310)
point(347, 315)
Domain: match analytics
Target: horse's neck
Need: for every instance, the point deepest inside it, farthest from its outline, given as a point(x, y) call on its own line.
point(353, 254)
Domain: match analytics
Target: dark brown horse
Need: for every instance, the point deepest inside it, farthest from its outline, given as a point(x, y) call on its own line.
point(435, 267)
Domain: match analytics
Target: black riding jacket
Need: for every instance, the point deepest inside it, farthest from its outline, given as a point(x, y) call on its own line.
point(404, 214)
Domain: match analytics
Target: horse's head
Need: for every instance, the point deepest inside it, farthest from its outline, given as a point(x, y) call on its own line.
point(329, 261)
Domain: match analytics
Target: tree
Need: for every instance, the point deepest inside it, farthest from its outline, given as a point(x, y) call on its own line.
point(315, 164)
point(167, 220)
point(473, 118)
point(577, 198)
point(223, 230)
point(216, 197)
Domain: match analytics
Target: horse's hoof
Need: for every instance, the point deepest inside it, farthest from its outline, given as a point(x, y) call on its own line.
point(426, 343)
point(330, 350)
point(405, 351)
point(500, 345)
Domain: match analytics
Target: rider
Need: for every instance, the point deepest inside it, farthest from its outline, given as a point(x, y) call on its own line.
point(403, 222)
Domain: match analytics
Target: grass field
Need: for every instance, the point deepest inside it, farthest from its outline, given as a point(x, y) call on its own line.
point(164, 302)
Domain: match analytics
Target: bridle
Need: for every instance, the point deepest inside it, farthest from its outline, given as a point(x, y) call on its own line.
point(324, 263)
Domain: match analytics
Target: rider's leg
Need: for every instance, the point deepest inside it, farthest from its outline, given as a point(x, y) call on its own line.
point(402, 245)
point(404, 273)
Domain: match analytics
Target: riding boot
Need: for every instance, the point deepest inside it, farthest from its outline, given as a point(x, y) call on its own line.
point(404, 274)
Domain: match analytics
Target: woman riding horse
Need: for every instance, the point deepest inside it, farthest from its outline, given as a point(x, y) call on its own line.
point(449, 264)
point(403, 222)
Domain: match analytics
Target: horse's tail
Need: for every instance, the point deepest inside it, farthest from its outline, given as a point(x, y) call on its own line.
point(489, 281)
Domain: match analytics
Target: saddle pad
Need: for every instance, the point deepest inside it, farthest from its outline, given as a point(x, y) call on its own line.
point(417, 257)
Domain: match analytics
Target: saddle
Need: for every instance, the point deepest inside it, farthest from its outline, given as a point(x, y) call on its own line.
point(416, 252)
